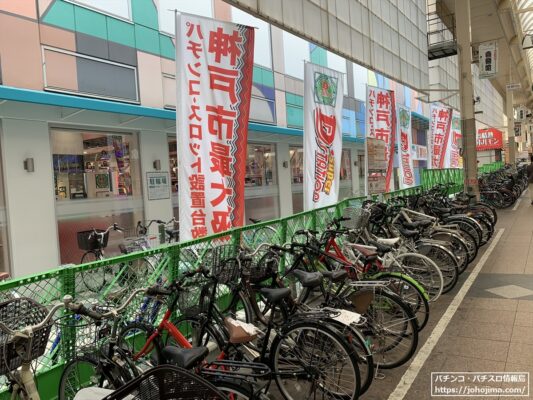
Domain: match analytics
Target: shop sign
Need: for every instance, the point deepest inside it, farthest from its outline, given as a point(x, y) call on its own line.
point(376, 184)
point(377, 160)
point(453, 151)
point(214, 81)
point(158, 184)
point(518, 129)
point(489, 139)
point(323, 96)
point(407, 178)
point(441, 120)
point(419, 152)
point(488, 59)
point(381, 125)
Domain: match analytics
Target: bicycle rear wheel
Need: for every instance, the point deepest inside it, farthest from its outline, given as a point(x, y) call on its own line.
point(86, 371)
point(310, 360)
point(424, 271)
point(445, 260)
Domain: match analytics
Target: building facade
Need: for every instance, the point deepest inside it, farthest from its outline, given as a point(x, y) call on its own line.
point(87, 93)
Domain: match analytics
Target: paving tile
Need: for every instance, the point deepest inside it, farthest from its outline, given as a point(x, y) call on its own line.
point(475, 348)
point(522, 334)
point(470, 364)
point(525, 306)
point(491, 316)
point(520, 353)
point(523, 319)
point(511, 291)
point(495, 304)
point(483, 330)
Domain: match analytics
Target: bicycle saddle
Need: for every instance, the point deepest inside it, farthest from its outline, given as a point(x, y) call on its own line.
point(172, 232)
point(4, 276)
point(184, 358)
point(335, 276)
point(255, 220)
point(408, 233)
point(275, 295)
point(381, 247)
point(308, 279)
point(417, 224)
point(388, 242)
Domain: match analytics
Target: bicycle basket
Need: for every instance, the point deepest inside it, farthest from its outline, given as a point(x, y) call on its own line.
point(263, 266)
point(167, 382)
point(17, 314)
point(88, 241)
point(131, 245)
point(81, 335)
point(358, 218)
point(226, 272)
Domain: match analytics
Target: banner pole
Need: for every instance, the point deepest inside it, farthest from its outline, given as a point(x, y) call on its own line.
point(366, 143)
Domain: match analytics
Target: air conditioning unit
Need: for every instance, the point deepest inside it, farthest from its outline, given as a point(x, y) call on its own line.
point(527, 42)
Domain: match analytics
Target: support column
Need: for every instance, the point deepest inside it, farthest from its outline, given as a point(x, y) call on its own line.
point(283, 158)
point(510, 126)
point(355, 171)
point(466, 90)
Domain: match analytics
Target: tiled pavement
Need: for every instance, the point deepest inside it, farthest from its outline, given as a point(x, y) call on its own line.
point(492, 330)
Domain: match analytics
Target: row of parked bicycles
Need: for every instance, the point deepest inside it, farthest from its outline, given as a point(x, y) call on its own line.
point(502, 188)
point(318, 317)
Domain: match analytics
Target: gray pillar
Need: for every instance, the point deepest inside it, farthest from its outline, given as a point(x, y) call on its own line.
point(468, 123)
point(510, 127)
point(284, 179)
point(355, 171)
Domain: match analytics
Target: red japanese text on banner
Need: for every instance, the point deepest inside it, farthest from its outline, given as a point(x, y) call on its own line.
point(323, 96)
point(441, 118)
point(381, 124)
point(453, 156)
point(214, 62)
point(407, 178)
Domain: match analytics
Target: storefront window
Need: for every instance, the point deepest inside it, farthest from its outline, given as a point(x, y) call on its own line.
point(97, 182)
point(297, 164)
point(173, 162)
point(261, 165)
point(346, 166)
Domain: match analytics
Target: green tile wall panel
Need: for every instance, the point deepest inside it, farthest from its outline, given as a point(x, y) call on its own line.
point(147, 39)
point(145, 13)
point(167, 47)
point(257, 76)
point(295, 116)
point(294, 99)
point(319, 56)
point(62, 15)
point(120, 32)
point(90, 22)
point(268, 77)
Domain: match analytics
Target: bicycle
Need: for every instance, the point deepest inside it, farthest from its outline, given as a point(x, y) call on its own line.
point(25, 327)
point(94, 359)
point(116, 279)
point(209, 326)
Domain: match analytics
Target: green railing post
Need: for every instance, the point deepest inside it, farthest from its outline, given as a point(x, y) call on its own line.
point(67, 345)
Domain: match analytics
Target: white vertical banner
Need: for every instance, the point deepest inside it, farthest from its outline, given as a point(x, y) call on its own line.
point(323, 97)
point(381, 125)
point(439, 135)
point(214, 64)
point(453, 156)
point(488, 59)
point(407, 178)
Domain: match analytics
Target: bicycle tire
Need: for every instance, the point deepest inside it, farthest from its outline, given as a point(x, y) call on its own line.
point(364, 355)
point(489, 210)
point(457, 245)
point(94, 279)
point(433, 284)
point(293, 347)
point(131, 339)
point(467, 224)
point(444, 259)
point(74, 377)
point(199, 332)
point(234, 390)
point(410, 293)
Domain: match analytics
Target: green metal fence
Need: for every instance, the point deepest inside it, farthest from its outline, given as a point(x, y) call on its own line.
point(111, 279)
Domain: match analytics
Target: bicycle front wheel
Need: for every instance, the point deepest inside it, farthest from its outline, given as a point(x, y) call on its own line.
point(424, 271)
point(310, 360)
point(85, 371)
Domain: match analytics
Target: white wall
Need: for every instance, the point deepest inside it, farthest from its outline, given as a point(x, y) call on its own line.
point(29, 197)
point(154, 146)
